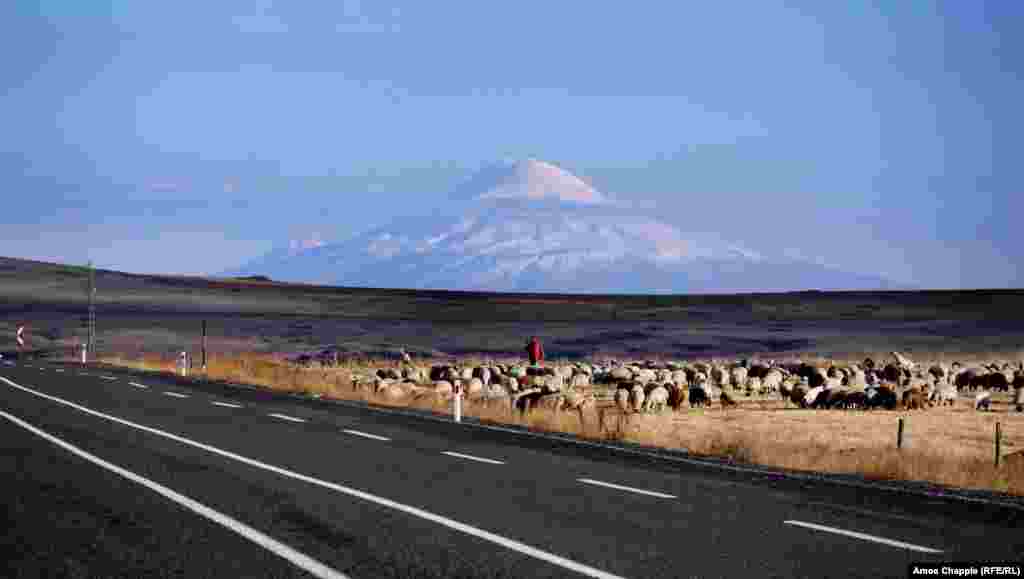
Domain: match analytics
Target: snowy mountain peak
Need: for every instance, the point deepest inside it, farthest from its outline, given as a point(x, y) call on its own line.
point(532, 226)
point(528, 181)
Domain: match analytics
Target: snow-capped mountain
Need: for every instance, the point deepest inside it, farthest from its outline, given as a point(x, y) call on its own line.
point(531, 226)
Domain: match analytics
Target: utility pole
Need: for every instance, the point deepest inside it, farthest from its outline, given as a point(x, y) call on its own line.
point(91, 340)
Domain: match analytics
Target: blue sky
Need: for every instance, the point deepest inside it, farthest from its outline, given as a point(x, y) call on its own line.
point(192, 136)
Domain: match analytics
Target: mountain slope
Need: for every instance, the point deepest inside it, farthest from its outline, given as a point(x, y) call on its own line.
point(531, 226)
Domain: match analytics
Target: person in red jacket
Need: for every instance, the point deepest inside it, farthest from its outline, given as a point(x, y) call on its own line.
point(535, 351)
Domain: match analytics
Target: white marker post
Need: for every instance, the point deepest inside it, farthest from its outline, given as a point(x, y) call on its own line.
point(84, 349)
point(183, 363)
point(458, 403)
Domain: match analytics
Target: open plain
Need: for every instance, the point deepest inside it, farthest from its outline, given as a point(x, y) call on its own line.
point(256, 327)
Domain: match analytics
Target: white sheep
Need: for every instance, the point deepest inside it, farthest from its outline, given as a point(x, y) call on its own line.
point(943, 394)
point(983, 401)
point(622, 400)
point(812, 395)
point(657, 400)
point(738, 376)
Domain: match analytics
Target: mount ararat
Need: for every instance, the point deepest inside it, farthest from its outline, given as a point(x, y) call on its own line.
point(530, 226)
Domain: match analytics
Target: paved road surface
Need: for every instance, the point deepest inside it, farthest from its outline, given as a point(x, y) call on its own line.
point(280, 487)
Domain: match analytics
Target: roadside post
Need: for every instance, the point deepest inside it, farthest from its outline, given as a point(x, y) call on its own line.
point(204, 346)
point(21, 339)
point(183, 363)
point(458, 403)
point(998, 444)
point(85, 348)
point(899, 434)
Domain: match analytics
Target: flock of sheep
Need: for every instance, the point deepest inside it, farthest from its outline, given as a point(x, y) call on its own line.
point(652, 387)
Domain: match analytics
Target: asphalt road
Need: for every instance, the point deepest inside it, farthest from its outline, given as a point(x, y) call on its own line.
point(303, 488)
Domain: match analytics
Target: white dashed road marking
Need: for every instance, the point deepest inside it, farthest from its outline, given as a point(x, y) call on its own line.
point(511, 544)
point(175, 394)
point(226, 404)
point(286, 417)
point(864, 536)
point(367, 435)
point(137, 385)
point(625, 488)
point(109, 377)
point(471, 457)
point(59, 370)
point(298, 559)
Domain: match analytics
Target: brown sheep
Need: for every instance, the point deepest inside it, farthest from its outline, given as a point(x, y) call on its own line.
point(838, 399)
point(726, 400)
point(797, 395)
point(676, 395)
point(914, 399)
point(856, 399)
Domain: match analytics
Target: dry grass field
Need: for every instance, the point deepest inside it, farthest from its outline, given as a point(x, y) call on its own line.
point(949, 446)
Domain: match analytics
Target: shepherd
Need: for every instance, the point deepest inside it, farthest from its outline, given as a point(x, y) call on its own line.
point(535, 351)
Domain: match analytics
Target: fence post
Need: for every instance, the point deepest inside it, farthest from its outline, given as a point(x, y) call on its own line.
point(998, 444)
point(458, 405)
point(204, 346)
point(899, 433)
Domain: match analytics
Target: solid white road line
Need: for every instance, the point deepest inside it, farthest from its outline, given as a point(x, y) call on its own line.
point(367, 435)
point(865, 537)
point(137, 385)
point(226, 404)
point(288, 418)
point(471, 457)
point(444, 521)
point(175, 394)
point(298, 559)
point(625, 488)
point(58, 369)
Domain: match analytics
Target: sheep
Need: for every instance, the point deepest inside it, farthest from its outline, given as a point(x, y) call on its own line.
point(753, 385)
point(939, 373)
point(857, 378)
point(797, 395)
point(945, 394)
point(657, 400)
point(771, 380)
point(970, 378)
point(622, 400)
point(636, 397)
point(813, 395)
point(838, 399)
point(698, 397)
point(983, 401)
point(998, 380)
point(914, 399)
point(726, 400)
point(484, 374)
point(881, 397)
point(896, 374)
point(621, 374)
point(676, 395)
point(856, 399)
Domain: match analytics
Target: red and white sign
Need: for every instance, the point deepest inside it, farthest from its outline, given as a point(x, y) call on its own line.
point(21, 337)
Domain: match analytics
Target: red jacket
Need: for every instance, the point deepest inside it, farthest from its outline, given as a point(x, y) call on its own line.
point(535, 350)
